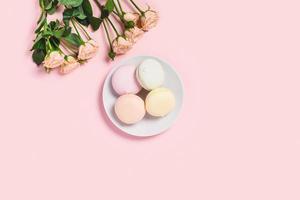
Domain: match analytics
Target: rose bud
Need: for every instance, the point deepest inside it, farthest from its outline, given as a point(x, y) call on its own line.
point(112, 54)
point(149, 20)
point(132, 17)
point(88, 50)
point(120, 45)
point(69, 65)
point(53, 60)
point(134, 34)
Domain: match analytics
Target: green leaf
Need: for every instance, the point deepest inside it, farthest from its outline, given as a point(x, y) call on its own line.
point(74, 39)
point(110, 5)
point(52, 10)
point(71, 3)
point(67, 31)
point(67, 15)
point(87, 8)
point(107, 9)
point(39, 44)
point(49, 5)
point(104, 13)
point(54, 25)
point(95, 22)
point(54, 42)
point(59, 33)
point(38, 56)
point(84, 22)
point(78, 12)
point(47, 33)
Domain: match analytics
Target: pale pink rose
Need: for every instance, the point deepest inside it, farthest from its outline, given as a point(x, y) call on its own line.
point(132, 17)
point(88, 50)
point(53, 60)
point(121, 45)
point(134, 34)
point(69, 65)
point(149, 20)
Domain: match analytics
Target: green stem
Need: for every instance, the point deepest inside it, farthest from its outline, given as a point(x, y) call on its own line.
point(69, 46)
point(41, 17)
point(65, 46)
point(118, 1)
point(42, 4)
point(107, 35)
point(61, 51)
point(49, 45)
point(116, 31)
point(120, 17)
point(116, 13)
point(85, 32)
point(136, 6)
point(45, 26)
point(119, 13)
point(56, 47)
point(76, 30)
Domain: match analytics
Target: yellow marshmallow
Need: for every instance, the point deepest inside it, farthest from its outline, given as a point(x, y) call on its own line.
point(160, 102)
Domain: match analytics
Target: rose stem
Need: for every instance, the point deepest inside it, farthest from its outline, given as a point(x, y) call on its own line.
point(134, 4)
point(65, 46)
point(86, 33)
point(122, 12)
point(107, 34)
point(113, 27)
point(76, 29)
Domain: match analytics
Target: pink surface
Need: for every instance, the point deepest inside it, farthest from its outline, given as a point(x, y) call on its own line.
point(238, 136)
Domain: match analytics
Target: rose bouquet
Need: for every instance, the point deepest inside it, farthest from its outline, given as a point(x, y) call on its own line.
point(66, 44)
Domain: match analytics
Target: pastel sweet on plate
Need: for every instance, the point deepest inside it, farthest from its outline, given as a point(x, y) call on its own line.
point(124, 80)
point(160, 102)
point(150, 74)
point(130, 108)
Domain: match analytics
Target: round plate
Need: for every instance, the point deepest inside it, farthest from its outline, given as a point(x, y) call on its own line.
point(149, 126)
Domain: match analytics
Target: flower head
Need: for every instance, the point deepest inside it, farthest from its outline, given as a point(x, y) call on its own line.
point(132, 17)
point(88, 50)
point(69, 65)
point(134, 34)
point(149, 20)
point(121, 45)
point(53, 60)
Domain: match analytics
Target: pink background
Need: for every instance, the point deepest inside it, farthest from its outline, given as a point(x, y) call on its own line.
point(237, 138)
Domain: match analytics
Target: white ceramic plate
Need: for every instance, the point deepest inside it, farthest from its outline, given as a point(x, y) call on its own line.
point(149, 126)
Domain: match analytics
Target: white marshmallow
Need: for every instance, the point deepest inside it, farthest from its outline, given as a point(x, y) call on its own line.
point(150, 74)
